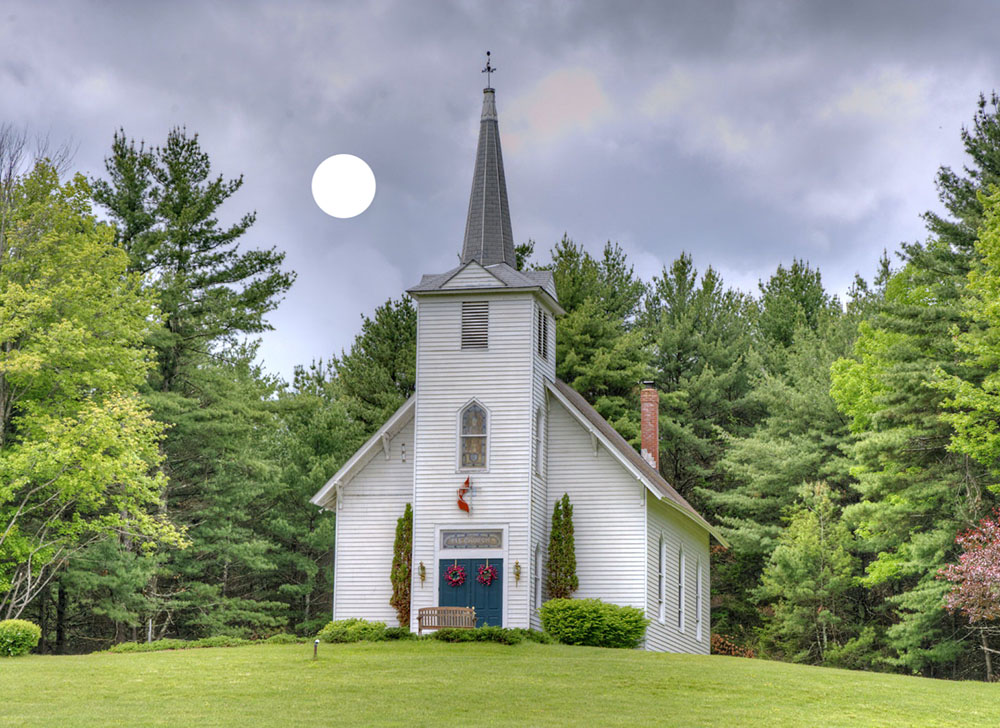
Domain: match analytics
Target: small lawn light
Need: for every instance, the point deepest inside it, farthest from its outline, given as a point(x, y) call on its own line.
point(315, 649)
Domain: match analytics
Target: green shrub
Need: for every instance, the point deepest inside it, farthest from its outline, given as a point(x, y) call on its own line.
point(18, 637)
point(533, 635)
point(353, 630)
point(399, 633)
point(481, 634)
point(593, 622)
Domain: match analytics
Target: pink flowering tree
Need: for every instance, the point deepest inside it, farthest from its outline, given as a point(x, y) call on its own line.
point(975, 582)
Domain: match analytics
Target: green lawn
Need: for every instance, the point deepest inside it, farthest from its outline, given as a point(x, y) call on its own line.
point(431, 683)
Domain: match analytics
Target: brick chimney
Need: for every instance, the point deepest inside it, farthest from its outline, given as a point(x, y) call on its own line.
point(649, 407)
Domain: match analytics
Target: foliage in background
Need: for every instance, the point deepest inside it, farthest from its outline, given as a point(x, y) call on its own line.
point(975, 582)
point(808, 578)
point(401, 573)
point(915, 491)
point(560, 568)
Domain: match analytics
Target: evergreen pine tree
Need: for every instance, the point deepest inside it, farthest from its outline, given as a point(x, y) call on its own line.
point(560, 579)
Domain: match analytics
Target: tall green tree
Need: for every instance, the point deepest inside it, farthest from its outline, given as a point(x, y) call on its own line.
point(807, 580)
point(214, 296)
point(698, 334)
point(598, 352)
point(78, 449)
point(915, 493)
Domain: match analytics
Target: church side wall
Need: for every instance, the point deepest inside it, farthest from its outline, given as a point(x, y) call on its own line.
point(499, 378)
point(678, 532)
point(366, 530)
point(544, 371)
point(608, 512)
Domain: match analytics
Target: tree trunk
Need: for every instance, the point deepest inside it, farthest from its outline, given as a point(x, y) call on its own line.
point(986, 654)
point(61, 619)
point(43, 619)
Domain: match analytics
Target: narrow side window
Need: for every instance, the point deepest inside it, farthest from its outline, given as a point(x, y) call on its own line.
point(661, 584)
point(697, 601)
point(542, 326)
point(680, 590)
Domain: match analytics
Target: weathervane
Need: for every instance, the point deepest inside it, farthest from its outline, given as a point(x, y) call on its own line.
point(488, 70)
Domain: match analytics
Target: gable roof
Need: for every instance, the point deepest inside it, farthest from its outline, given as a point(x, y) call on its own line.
point(400, 418)
point(507, 278)
point(618, 446)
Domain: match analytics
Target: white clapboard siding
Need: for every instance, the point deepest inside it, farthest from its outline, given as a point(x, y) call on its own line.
point(608, 512)
point(544, 371)
point(500, 379)
point(366, 529)
point(473, 275)
point(677, 531)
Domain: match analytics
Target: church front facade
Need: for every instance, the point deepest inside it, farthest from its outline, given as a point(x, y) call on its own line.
point(490, 441)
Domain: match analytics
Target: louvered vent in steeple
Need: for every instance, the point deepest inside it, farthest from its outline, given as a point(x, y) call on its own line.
point(475, 324)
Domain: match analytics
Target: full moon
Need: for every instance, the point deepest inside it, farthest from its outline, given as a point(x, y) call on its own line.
point(343, 185)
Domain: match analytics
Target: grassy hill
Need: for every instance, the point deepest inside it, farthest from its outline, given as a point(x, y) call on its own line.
point(431, 683)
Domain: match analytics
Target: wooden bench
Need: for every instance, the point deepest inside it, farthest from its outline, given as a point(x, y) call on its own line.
point(445, 617)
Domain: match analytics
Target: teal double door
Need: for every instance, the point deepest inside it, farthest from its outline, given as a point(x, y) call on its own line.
point(486, 600)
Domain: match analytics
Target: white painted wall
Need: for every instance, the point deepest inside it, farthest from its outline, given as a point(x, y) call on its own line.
point(472, 275)
point(678, 532)
point(366, 529)
point(608, 512)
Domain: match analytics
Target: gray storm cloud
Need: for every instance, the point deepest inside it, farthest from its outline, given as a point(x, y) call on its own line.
point(745, 133)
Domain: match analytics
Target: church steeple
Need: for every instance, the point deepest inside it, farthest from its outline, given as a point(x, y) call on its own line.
point(488, 238)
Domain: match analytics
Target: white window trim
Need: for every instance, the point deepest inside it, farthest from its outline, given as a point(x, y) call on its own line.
point(680, 589)
point(536, 575)
point(458, 438)
point(662, 582)
point(539, 440)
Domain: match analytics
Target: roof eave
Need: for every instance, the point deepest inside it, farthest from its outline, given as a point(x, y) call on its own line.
point(639, 475)
point(552, 303)
point(325, 495)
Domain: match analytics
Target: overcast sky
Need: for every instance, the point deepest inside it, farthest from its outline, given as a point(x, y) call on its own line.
point(746, 133)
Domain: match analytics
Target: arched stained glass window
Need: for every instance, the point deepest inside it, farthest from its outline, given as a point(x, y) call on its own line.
point(473, 437)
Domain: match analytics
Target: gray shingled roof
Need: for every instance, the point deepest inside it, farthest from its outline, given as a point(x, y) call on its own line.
point(507, 277)
point(629, 452)
point(488, 238)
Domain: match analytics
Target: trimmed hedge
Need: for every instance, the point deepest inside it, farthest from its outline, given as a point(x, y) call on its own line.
point(593, 622)
point(480, 634)
point(18, 637)
point(172, 644)
point(353, 630)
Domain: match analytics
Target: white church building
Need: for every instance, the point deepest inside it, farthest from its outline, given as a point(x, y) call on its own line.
point(487, 445)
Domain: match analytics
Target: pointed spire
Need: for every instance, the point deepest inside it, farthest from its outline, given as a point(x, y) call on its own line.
point(488, 238)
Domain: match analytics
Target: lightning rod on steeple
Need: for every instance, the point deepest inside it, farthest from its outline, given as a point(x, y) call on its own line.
point(488, 71)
